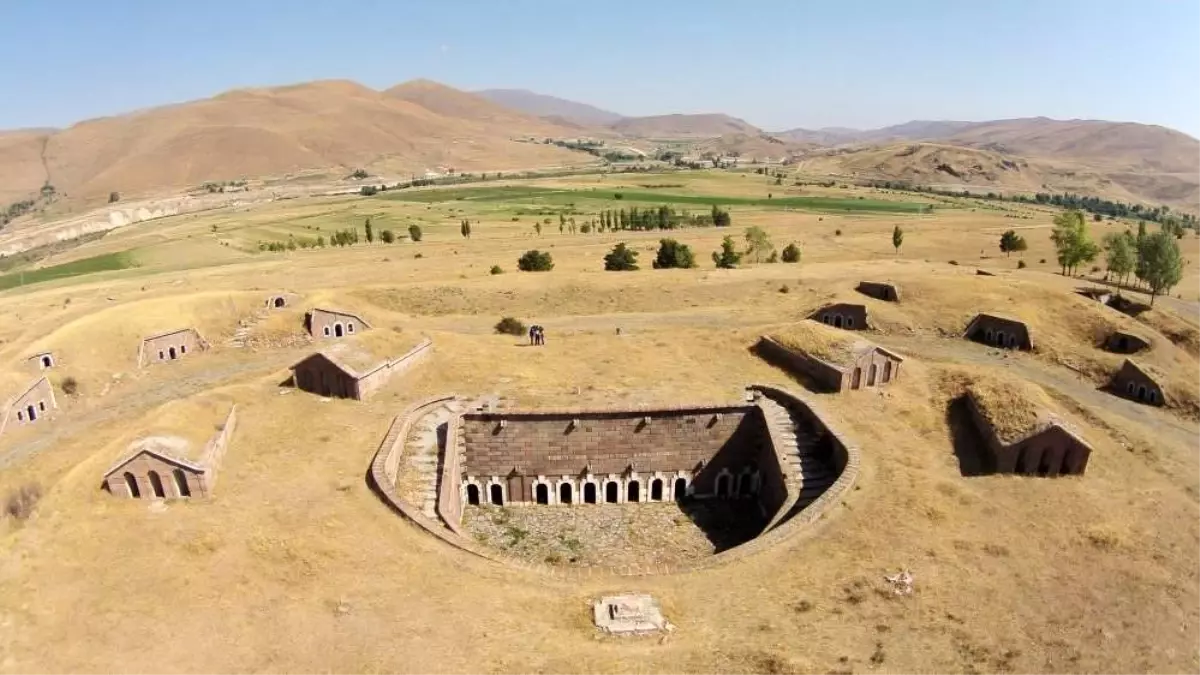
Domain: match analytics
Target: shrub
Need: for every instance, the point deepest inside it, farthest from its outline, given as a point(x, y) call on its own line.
point(496, 270)
point(359, 174)
point(535, 261)
point(953, 262)
point(672, 254)
point(387, 236)
point(419, 256)
point(791, 253)
point(510, 326)
point(784, 289)
point(774, 257)
point(20, 504)
point(837, 233)
point(621, 259)
point(1020, 264)
point(1042, 261)
point(69, 386)
point(414, 232)
point(728, 257)
point(114, 197)
point(368, 190)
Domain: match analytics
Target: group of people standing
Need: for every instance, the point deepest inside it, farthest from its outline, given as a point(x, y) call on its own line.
point(537, 335)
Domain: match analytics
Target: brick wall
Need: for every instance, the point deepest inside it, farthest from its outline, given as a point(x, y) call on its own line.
point(141, 466)
point(377, 378)
point(214, 450)
point(823, 375)
point(558, 443)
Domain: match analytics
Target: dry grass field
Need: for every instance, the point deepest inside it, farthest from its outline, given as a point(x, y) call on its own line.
point(295, 565)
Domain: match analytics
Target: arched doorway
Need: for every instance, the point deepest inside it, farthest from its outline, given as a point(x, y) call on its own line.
point(156, 485)
point(496, 493)
point(680, 488)
point(871, 375)
point(723, 485)
point(132, 484)
point(656, 490)
point(31, 412)
point(746, 484)
point(634, 492)
point(589, 493)
point(541, 493)
point(181, 484)
point(1141, 395)
point(999, 338)
point(837, 321)
point(46, 361)
point(171, 353)
point(337, 330)
point(472, 494)
point(564, 493)
point(887, 371)
point(612, 492)
point(278, 302)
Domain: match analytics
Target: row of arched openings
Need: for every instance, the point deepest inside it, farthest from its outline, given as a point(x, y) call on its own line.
point(611, 491)
point(157, 489)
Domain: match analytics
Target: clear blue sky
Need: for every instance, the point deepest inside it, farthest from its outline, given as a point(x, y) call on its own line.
point(779, 64)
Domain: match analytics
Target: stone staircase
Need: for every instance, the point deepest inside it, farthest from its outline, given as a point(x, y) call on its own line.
point(420, 466)
point(245, 326)
point(804, 449)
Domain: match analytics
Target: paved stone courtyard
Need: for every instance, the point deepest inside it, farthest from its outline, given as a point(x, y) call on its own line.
point(609, 535)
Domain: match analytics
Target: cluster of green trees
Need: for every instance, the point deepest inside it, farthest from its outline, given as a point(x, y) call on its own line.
point(219, 186)
point(16, 210)
point(1011, 241)
point(1094, 205)
point(1153, 258)
point(657, 218)
point(464, 228)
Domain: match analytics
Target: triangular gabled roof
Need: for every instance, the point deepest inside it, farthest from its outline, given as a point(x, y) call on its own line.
point(141, 449)
point(1144, 371)
point(28, 389)
point(171, 332)
point(343, 313)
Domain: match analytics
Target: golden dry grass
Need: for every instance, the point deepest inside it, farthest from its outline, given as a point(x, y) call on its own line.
point(294, 565)
point(828, 344)
point(1014, 408)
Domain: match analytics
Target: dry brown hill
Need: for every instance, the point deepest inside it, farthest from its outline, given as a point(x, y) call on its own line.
point(327, 125)
point(21, 170)
point(684, 126)
point(452, 103)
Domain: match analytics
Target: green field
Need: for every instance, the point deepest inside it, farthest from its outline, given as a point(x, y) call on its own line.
point(527, 194)
point(100, 263)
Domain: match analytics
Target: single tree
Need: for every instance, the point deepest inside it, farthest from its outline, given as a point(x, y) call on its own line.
point(1071, 240)
point(791, 253)
point(321, 241)
point(757, 242)
point(414, 232)
point(621, 259)
point(537, 227)
point(672, 254)
point(465, 229)
point(370, 232)
point(114, 197)
point(535, 261)
point(1159, 263)
point(897, 238)
point(728, 257)
point(720, 218)
point(1120, 258)
point(387, 236)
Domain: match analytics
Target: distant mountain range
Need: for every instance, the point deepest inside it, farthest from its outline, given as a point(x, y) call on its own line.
point(334, 127)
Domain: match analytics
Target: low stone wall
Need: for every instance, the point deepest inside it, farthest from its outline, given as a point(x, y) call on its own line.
point(822, 374)
point(377, 378)
point(449, 501)
point(845, 452)
point(214, 450)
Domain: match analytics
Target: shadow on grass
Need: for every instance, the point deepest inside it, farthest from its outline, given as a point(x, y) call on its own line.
point(726, 523)
point(968, 443)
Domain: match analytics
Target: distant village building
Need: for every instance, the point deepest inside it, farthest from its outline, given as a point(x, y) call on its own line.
point(351, 370)
point(170, 346)
point(1138, 383)
point(41, 360)
point(1123, 342)
point(330, 323)
point(843, 315)
point(832, 362)
point(1022, 435)
point(999, 331)
point(163, 467)
point(879, 290)
point(34, 404)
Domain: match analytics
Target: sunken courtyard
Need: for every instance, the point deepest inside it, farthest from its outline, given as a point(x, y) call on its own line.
point(645, 490)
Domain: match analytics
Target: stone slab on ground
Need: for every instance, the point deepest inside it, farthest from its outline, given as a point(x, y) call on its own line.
point(629, 613)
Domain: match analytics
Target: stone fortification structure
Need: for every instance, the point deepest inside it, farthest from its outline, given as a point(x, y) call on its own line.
point(160, 467)
point(348, 370)
point(170, 346)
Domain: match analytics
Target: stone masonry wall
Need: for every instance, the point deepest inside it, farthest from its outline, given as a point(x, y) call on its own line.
point(572, 442)
point(822, 374)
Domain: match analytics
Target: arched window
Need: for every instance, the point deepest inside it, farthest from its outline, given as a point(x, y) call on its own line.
point(156, 485)
point(656, 490)
point(325, 329)
point(871, 375)
point(837, 321)
point(181, 484)
point(589, 493)
point(20, 415)
point(46, 361)
point(132, 484)
point(887, 371)
point(350, 327)
point(634, 491)
point(1152, 396)
point(746, 484)
point(278, 302)
point(1012, 340)
point(472, 494)
point(849, 322)
point(612, 492)
point(182, 349)
point(565, 495)
point(1141, 394)
point(1129, 387)
point(541, 493)
point(496, 493)
point(722, 489)
point(680, 488)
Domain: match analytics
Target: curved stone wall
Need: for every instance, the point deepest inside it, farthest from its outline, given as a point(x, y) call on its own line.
point(789, 521)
